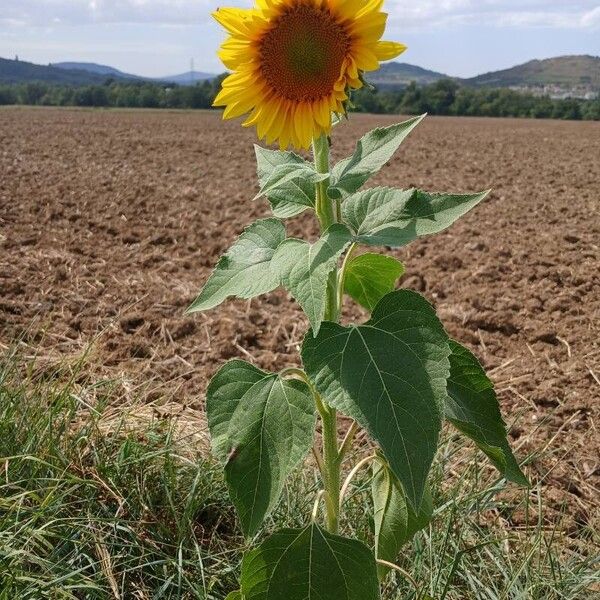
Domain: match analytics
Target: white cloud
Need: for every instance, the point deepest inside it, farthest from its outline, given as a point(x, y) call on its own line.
point(591, 18)
point(414, 14)
point(78, 12)
point(577, 14)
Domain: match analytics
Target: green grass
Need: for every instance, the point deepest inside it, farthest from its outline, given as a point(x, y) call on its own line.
point(97, 508)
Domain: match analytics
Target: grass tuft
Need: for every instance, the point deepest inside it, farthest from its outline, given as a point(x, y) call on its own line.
point(93, 507)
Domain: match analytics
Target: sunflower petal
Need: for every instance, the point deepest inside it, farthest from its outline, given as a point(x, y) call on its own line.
point(365, 58)
point(234, 19)
point(388, 50)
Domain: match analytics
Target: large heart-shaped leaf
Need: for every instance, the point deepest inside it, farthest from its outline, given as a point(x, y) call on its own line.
point(261, 427)
point(390, 376)
point(395, 521)
point(373, 150)
point(244, 271)
point(304, 269)
point(292, 197)
point(309, 564)
point(472, 407)
point(369, 277)
point(389, 217)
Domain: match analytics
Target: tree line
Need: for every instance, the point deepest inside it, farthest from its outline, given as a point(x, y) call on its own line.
point(112, 94)
point(445, 97)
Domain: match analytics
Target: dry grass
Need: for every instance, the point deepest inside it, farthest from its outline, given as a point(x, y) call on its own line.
point(108, 499)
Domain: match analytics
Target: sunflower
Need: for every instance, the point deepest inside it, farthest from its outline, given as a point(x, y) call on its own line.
point(295, 61)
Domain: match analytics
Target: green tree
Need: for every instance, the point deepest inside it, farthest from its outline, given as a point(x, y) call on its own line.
point(8, 95)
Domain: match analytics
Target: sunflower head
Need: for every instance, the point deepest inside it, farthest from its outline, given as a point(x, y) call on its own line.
point(294, 62)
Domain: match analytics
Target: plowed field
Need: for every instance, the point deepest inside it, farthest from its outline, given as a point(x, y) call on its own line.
point(110, 222)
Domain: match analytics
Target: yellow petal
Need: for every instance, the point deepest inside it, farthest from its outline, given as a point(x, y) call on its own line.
point(237, 109)
point(352, 68)
point(239, 79)
point(284, 137)
point(369, 29)
point(322, 112)
point(365, 58)
point(234, 20)
point(389, 50)
point(268, 115)
point(372, 6)
point(272, 133)
point(349, 8)
point(303, 125)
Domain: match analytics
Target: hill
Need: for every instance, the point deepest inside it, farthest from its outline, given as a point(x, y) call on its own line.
point(564, 71)
point(18, 71)
point(81, 73)
point(188, 78)
point(567, 75)
point(96, 69)
point(398, 75)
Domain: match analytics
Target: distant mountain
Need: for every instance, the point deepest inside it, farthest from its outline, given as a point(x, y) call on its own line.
point(565, 71)
point(18, 71)
point(188, 78)
point(82, 73)
point(398, 75)
point(580, 74)
point(97, 69)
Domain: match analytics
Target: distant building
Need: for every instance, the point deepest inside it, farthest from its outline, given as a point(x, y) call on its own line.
point(558, 92)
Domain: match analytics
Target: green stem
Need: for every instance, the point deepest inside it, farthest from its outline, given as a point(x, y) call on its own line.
point(327, 213)
point(332, 472)
point(325, 208)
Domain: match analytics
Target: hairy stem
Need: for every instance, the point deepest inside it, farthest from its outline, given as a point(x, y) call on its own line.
point(325, 207)
point(332, 472)
point(327, 214)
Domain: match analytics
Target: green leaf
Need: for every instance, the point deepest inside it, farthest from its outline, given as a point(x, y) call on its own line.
point(395, 521)
point(304, 269)
point(388, 217)
point(286, 174)
point(244, 270)
point(372, 152)
point(261, 426)
point(309, 564)
point(472, 407)
point(289, 199)
point(390, 376)
point(237, 595)
point(369, 277)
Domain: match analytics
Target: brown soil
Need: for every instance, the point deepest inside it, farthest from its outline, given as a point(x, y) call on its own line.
point(110, 222)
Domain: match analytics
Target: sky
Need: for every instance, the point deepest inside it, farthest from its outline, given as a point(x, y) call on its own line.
point(156, 38)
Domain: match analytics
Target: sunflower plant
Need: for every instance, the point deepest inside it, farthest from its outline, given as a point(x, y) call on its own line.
point(398, 375)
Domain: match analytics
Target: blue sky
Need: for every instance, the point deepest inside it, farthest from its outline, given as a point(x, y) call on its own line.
point(159, 37)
